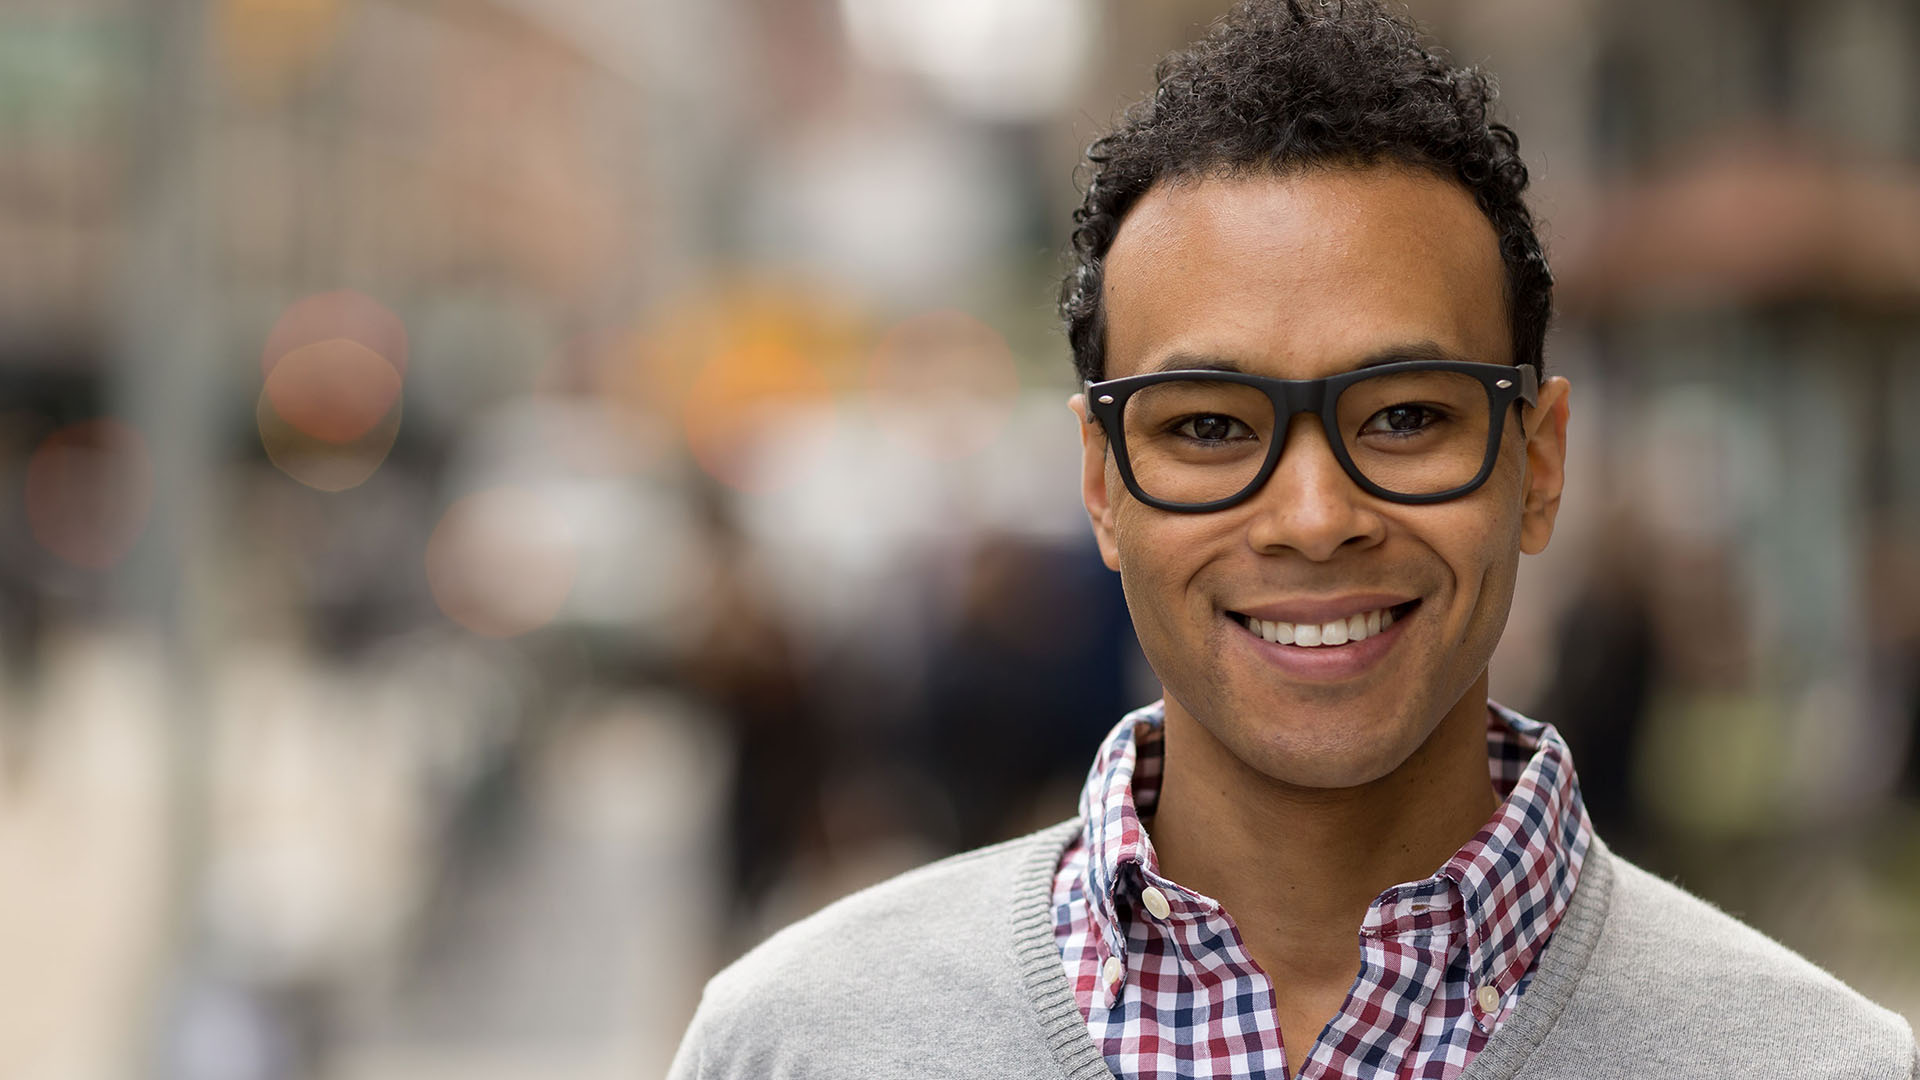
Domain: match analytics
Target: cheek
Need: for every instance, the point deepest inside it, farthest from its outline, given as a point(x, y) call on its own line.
point(1144, 569)
point(1165, 562)
point(1171, 549)
point(1481, 551)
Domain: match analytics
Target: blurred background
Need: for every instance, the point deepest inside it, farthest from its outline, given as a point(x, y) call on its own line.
point(505, 502)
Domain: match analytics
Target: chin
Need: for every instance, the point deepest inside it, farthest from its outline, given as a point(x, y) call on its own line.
point(1329, 772)
point(1336, 755)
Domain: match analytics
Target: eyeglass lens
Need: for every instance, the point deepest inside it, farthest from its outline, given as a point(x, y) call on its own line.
point(1197, 440)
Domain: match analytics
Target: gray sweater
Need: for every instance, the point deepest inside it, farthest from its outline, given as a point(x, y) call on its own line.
point(952, 971)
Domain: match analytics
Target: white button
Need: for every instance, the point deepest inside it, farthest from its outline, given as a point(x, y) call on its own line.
point(1156, 902)
point(1489, 999)
point(1113, 972)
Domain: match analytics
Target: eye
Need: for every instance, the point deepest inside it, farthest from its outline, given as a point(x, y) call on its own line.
point(1406, 418)
point(1211, 427)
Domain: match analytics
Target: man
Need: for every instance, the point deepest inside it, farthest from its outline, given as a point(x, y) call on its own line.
point(1308, 307)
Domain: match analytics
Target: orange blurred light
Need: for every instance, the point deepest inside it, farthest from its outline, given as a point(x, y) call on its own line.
point(741, 364)
point(744, 405)
point(89, 492)
point(501, 562)
point(265, 44)
point(320, 463)
point(334, 390)
point(650, 371)
point(942, 384)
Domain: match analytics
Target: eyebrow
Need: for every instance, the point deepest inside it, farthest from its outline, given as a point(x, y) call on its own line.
point(1391, 354)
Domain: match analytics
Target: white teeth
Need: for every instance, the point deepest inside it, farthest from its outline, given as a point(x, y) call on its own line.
point(1338, 632)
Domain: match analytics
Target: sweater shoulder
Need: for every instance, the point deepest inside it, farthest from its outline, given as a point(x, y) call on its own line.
point(883, 981)
point(1685, 938)
point(925, 915)
point(1682, 981)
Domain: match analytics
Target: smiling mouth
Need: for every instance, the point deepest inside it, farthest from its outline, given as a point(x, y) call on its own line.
point(1356, 627)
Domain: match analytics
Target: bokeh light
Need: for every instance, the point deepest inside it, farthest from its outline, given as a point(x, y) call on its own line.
point(745, 405)
point(502, 562)
point(264, 44)
point(746, 368)
point(1001, 59)
point(342, 313)
point(942, 384)
point(334, 390)
point(651, 370)
point(319, 463)
point(329, 410)
point(89, 492)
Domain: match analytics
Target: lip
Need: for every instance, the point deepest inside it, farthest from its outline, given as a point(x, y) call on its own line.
point(1325, 610)
point(1323, 663)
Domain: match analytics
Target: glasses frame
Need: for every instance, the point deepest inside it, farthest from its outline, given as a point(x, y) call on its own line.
point(1505, 385)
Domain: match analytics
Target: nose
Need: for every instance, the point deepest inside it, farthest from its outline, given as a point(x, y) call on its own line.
point(1310, 505)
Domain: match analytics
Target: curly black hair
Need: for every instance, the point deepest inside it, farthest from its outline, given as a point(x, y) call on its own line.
point(1281, 85)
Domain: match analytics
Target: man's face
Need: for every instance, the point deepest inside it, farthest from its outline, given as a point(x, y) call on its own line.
point(1302, 276)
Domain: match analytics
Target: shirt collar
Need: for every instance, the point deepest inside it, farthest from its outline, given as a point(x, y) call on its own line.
point(1509, 884)
point(1118, 794)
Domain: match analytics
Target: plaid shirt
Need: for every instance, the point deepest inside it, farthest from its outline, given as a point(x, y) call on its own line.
point(1169, 989)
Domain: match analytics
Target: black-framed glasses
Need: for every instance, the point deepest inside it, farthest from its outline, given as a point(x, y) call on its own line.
point(1413, 431)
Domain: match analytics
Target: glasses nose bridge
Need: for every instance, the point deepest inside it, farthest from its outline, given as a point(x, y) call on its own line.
point(1309, 498)
point(1291, 397)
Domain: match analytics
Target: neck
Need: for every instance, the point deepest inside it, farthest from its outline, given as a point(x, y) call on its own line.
point(1298, 867)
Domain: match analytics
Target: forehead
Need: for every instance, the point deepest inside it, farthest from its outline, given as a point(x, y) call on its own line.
point(1303, 274)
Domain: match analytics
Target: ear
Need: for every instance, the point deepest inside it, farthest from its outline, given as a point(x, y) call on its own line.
point(1545, 428)
point(1093, 480)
